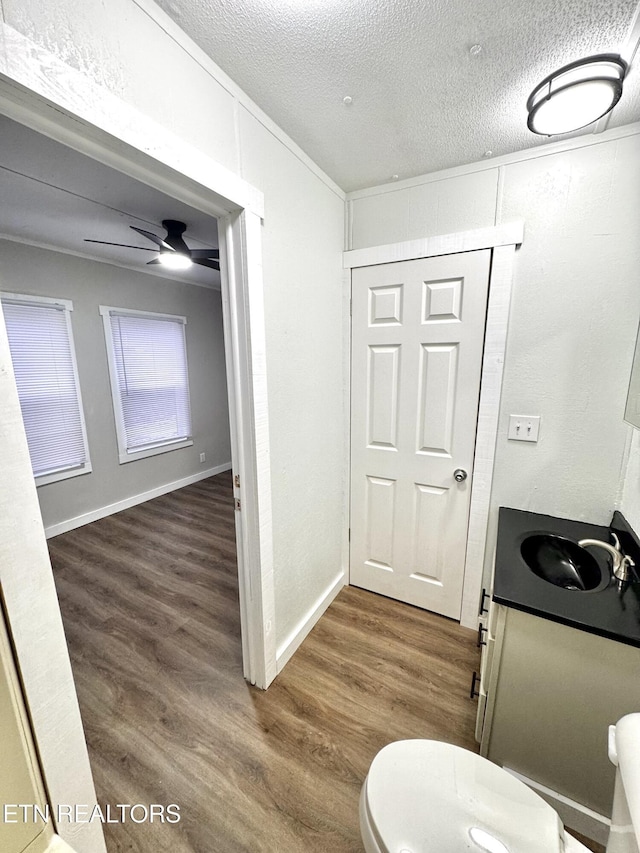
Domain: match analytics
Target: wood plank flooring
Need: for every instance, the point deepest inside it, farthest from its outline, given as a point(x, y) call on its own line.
point(149, 603)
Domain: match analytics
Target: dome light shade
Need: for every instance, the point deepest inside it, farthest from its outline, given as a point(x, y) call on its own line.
point(576, 95)
point(175, 260)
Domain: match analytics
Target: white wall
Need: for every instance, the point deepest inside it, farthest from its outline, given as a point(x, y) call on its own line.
point(136, 52)
point(572, 329)
point(88, 284)
point(304, 328)
point(574, 311)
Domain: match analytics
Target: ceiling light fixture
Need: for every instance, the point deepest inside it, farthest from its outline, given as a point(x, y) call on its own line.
point(175, 260)
point(173, 251)
point(576, 95)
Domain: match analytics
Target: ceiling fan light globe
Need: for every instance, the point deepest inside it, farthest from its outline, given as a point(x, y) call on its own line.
point(175, 260)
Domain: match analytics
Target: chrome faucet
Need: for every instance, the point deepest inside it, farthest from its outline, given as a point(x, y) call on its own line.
point(622, 564)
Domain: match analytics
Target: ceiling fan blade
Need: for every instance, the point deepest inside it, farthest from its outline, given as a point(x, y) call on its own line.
point(154, 261)
point(153, 237)
point(124, 245)
point(206, 262)
point(204, 253)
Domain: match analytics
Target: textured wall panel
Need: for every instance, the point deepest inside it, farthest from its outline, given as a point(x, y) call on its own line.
point(437, 207)
point(306, 310)
point(574, 317)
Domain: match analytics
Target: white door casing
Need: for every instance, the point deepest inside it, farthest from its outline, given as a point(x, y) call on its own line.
point(417, 344)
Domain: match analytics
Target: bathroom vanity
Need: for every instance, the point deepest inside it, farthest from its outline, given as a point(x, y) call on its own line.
point(558, 666)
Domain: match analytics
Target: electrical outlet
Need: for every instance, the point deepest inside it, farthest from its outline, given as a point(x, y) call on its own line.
point(203, 457)
point(524, 427)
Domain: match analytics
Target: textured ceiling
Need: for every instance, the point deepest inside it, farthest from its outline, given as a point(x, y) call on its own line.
point(421, 100)
point(53, 196)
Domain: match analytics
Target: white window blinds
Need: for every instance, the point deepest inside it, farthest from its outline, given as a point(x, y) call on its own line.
point(149, 371)
point(44, 365)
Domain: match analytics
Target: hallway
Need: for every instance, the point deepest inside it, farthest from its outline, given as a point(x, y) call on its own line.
point(149, 602)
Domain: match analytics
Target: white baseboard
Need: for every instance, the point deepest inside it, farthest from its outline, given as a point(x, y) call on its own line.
point(573, 815)
point(286, 649)
point(110, 509)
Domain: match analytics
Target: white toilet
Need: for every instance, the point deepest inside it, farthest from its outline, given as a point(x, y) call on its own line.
point(423, 796)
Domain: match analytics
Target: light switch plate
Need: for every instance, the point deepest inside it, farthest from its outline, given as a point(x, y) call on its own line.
point(524, 427)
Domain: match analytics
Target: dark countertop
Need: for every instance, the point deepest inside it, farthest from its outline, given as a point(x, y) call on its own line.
point(607, 612)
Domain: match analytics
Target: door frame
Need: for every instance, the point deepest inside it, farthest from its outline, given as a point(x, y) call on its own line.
point(40, 91)
point(503, 241)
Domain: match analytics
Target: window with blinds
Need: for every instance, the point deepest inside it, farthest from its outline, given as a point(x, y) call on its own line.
point(44, 364)
point(149, 381)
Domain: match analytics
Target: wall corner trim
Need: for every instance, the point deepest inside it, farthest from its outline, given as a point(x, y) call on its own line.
point(133, 500)
point(293, 641)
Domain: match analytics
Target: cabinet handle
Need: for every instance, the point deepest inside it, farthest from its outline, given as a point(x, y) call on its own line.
point(475, 678)
point(483, 609)
point(480, 641)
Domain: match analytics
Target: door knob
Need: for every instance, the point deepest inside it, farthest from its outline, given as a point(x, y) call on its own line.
point(459, 475)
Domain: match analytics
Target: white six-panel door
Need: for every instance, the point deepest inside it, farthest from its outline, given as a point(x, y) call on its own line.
point(417, 342)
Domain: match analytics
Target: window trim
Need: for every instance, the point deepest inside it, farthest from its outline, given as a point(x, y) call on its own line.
point(67, 307)
point(124, 455)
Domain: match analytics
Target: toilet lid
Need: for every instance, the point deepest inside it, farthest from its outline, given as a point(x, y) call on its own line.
point(423, 795)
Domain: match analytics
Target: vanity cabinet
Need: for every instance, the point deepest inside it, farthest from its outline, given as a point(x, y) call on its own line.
point(548, 693)
point(487, 633)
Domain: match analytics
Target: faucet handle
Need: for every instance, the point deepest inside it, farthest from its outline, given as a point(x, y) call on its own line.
point(625, 570)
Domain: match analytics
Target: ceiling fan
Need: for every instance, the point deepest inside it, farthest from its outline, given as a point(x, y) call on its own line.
point(173, 251)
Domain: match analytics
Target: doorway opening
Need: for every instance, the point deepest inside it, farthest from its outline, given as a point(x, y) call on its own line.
point(502, 242)
point(171, 353)
point(417, 341)
point(34, 621)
